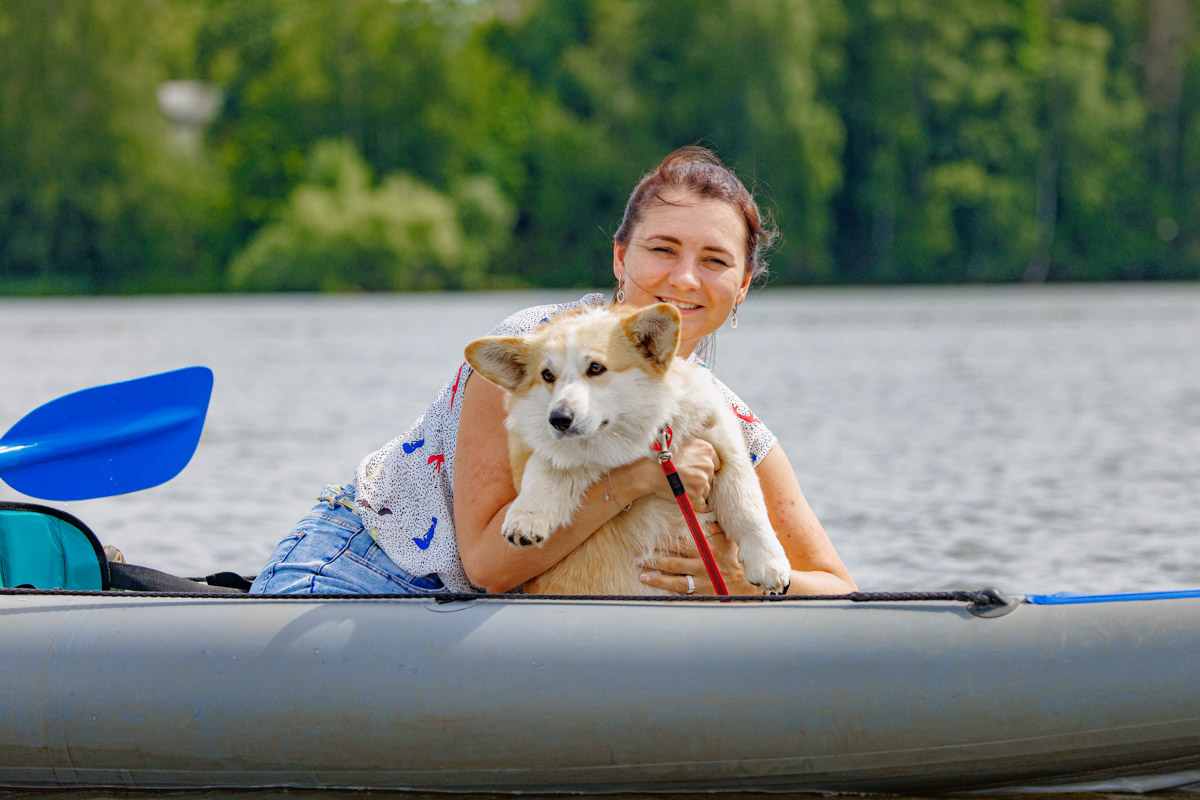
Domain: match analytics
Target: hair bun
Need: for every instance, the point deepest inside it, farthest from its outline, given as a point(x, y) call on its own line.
point(691, 154)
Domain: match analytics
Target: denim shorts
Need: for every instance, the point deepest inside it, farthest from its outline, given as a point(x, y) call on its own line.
point(330, 552)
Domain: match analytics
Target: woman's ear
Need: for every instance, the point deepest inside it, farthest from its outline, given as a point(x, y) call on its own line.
point(744, 288)
point(618, 261)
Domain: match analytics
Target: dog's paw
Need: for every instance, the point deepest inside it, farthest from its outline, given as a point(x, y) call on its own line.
point(524, 529)
point(765, 565)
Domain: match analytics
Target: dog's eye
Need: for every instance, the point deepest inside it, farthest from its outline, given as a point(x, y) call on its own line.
point(547, 376)
point(596, 368)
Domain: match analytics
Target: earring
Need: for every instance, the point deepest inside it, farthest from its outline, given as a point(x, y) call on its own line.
point(620, 295)
point(733, 319)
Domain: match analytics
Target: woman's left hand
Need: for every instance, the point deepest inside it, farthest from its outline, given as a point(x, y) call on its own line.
point(671, 571)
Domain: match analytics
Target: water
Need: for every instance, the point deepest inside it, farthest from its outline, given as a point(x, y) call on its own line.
point(1035, 439)
point(1032, 438)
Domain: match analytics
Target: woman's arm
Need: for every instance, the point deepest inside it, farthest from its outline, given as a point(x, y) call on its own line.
point(816, 566)
point(483, 491)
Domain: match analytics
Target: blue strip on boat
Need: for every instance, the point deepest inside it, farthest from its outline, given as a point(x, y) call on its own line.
point(1072, 598)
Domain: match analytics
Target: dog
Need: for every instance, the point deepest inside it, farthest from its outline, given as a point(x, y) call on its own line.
point(589, 391)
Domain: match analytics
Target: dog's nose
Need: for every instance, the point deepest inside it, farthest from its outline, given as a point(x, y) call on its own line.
point(560, 419)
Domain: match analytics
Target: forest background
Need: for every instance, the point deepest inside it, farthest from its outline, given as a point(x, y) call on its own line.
point(445, 144)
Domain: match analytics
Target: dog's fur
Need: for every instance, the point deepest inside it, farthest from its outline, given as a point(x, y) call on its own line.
point(614, 382)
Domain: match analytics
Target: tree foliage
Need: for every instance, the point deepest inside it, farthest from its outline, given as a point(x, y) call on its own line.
point(339, 232)
point(412, 144)
point(91, 192)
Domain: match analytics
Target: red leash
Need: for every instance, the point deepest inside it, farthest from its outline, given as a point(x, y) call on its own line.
point(662, 446)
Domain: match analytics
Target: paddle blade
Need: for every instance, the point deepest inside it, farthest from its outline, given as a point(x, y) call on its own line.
point(110, 439)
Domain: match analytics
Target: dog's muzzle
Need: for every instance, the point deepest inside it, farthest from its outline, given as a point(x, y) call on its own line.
point(561, 419)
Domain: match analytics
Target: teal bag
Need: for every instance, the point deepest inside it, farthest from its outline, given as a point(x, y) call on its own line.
point(45, 548)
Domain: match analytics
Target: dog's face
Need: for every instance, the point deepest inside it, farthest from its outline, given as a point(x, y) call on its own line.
point(576, 377)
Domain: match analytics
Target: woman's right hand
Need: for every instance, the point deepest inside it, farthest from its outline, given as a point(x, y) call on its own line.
point(695, 460)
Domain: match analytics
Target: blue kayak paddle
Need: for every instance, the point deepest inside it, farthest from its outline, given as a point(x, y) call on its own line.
point(107, 440)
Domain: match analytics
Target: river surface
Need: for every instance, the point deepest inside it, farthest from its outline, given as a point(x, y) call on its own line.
point(1030, 438)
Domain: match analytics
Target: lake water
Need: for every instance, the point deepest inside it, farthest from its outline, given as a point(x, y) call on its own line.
point(1030, 438)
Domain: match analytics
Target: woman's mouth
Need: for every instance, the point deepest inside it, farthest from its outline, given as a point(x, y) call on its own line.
point(677, 303)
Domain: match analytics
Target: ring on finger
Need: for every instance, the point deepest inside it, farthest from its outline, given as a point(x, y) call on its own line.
point(691, 582)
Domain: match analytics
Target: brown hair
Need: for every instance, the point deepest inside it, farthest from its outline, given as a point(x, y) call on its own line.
point(697, 171)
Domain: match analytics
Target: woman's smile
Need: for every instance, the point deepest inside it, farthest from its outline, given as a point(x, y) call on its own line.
point(680, 305)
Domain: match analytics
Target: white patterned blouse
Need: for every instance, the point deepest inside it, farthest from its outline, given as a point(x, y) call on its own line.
point(405, 490)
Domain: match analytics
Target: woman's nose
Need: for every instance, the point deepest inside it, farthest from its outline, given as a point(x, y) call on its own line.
point(686, 273)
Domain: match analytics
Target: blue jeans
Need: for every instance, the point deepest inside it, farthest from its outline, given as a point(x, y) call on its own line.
point(330, 552)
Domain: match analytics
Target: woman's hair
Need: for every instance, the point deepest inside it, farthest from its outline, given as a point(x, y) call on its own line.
point(697, 171)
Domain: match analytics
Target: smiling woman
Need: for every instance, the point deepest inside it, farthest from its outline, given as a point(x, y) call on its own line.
point(425, 512)
point(686, 253)
point(692, 236)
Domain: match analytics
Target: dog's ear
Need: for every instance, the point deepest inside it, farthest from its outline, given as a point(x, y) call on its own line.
point(503, 360)
point(654, 331)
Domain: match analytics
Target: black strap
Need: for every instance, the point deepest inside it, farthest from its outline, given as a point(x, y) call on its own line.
point(132, 578)
point(230, 580)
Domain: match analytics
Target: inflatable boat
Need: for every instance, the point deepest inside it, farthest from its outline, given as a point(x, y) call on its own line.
point(201, 686)
point(517, 694)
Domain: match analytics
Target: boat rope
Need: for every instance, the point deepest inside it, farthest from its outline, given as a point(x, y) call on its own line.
point(982, 599)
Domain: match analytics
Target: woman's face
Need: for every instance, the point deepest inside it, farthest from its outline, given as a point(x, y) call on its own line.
point(691, 254)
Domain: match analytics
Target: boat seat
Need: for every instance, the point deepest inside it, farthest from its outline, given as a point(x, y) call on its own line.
point(45, 548)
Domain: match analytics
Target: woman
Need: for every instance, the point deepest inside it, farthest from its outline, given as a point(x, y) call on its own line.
point(425, 511)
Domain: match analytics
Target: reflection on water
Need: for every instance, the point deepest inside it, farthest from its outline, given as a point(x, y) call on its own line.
point(1033, 438)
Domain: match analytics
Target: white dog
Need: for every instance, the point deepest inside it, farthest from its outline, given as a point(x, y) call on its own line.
point(588, 392)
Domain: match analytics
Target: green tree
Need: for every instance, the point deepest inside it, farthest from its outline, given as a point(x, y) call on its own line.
point(939, 136)
point(1164, 34)
point(639, 79)
point(990, 141)
point(93, 195)
point(892, 140)
point(1094, 212)
point(406, 83)
point(338, 231)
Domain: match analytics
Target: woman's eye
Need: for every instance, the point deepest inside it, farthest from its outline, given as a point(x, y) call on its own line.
point(547, 376)
point(596, 369)
point(718, 262)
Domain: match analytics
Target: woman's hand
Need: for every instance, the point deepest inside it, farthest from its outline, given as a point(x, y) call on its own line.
point(816, 567)
point(697, 462)
point(670, 571)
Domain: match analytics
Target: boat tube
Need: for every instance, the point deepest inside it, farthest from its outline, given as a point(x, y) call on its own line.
point(867, 693)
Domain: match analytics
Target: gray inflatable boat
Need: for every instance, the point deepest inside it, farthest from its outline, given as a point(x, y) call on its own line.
point(868, 693)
